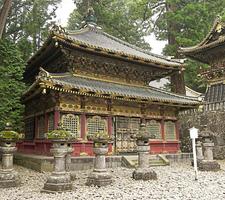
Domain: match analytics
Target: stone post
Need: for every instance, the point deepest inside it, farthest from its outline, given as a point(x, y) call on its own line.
point(8, 139)
point(59, 180)
point(199, 150)
point(143, 172)
point(208, 164)
point(100, 176)
point(8, 177)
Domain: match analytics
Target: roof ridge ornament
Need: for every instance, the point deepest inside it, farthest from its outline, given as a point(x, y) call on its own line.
point(43, 74)
point(58, 29)
point(90, 19)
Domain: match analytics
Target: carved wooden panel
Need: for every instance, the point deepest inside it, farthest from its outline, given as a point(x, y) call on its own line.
point(113, 69)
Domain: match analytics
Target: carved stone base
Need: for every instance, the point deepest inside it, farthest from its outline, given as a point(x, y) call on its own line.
point(58, 183)
point(99, 179)
point(144, 174)
point(9, 179)
point(206, 165)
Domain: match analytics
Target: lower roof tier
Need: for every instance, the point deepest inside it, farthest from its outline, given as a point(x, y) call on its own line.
point(68, 82)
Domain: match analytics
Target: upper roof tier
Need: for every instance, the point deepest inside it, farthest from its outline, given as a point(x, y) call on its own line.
point(210, 48)
point(93, 39)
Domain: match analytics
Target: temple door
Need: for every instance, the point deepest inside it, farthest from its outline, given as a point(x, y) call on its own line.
point(124, 128)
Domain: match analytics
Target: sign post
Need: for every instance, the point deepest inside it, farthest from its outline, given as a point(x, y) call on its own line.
point(194, 135)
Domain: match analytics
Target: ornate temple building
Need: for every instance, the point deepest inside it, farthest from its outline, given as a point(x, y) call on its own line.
point(211, 51)
point(91, 81)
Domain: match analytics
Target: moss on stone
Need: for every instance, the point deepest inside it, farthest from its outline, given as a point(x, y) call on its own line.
point(10, 135)
point(60, 134)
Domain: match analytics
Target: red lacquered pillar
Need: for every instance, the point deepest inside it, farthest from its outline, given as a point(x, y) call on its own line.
point(110, 127)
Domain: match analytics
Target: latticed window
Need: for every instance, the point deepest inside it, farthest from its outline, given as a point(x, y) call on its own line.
point(29, 129)
point(96, 124)
point(170, 130)
point(71, 122)
point(41, 127)
point(51, 122)
point(127, 124)
point(154, 128)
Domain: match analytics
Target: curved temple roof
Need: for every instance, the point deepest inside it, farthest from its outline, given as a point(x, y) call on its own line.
point(68, 82)
point(94, 39)
point(215, 38)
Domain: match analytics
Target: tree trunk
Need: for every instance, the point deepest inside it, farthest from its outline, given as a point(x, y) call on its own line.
point(177, 79)
point(3, 15)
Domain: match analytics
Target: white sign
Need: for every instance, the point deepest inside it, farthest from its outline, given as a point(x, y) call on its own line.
point(193, 133)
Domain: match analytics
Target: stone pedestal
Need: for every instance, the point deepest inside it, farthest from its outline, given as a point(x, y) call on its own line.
point(208, 164)
point(99, 176)
point(59, 180)
point(68, 162)
point(143, 172)
point(8, 177)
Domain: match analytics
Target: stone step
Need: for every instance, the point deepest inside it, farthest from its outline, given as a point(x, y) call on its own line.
point(154, 160)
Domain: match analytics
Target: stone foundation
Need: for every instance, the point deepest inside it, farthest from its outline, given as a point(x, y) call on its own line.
point(58, 183)
point(144, 174)
point(206, 165)
point(9, 179)
point(99, 179)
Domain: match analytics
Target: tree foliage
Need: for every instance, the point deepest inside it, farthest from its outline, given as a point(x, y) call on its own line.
point(26, 27)
point(11, 86)
point(185, 23)
point(29, 22)
point(125, 19)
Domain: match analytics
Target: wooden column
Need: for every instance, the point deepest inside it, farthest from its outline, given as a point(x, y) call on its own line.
point(46, 122)
point(177, 126)
point(163, 129)
point(110, 124)
point(56, 118)
point(163, 135)
point(36, 127)
point(83, 126)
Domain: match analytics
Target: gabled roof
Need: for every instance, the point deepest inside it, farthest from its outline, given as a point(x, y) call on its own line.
point(214, 39)
point(70, 83)
point(95, 37)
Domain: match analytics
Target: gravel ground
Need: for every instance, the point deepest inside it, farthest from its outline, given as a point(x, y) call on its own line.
point(174, 182)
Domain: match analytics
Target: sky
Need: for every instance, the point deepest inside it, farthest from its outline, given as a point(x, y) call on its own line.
point(67, 6)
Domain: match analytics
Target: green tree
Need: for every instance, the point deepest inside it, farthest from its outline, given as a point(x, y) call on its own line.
point(4, 11)
point(125, 19)
point(185, 23)
point(11, 86)
point(29, 22)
